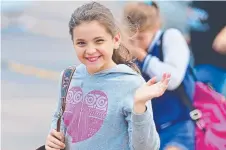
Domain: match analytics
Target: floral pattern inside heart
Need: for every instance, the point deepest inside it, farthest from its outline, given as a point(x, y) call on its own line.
point(84, 114)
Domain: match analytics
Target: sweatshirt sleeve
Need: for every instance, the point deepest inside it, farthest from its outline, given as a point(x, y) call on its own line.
point(141, 128)
point(176, 59)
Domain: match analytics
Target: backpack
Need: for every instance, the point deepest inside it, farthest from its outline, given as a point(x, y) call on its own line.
point(207, 111)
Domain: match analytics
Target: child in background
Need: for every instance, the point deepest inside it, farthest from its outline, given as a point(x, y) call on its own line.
point(157, 52)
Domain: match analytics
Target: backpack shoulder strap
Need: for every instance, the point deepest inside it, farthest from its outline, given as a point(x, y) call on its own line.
point(191, 70)
point(160, 47)
point(193, 112)
point(184, 97)
point(66, 80)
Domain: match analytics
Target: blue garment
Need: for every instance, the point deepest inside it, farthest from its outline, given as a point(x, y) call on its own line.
point(170, 114)
point(180, 135)
point(213, 75)
point(170, 101)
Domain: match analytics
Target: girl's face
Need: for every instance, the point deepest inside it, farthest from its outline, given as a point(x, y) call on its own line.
point(94, 46)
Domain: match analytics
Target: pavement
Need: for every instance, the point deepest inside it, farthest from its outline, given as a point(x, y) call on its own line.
point(30, 70)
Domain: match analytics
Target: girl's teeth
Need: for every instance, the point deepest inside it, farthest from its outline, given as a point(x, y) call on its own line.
point(93, 59)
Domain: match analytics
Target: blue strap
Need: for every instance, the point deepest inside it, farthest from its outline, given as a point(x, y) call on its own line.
point(66, 79)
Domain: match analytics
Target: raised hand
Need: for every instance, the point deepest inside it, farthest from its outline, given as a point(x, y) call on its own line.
point(151, 89)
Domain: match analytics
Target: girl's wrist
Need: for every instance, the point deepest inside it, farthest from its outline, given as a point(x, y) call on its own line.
point(139, 107)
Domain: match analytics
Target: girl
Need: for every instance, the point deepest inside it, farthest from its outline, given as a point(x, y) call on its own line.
point(107, 102)
point(157, 53)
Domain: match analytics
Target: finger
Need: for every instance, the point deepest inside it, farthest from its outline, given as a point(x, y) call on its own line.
point(50, 148)
point(57, 142)
point(164, 84)
point(166, 81)
point(165, 78)
point(164, 75)
point(152, 81)
point(58, 135)
point(168, 75)
point(56, 146)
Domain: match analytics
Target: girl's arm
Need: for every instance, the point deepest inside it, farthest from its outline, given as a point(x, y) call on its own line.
point(142, 131)
point(176, 59)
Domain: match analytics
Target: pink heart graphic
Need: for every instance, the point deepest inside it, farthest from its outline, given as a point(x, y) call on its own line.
point(84, 116)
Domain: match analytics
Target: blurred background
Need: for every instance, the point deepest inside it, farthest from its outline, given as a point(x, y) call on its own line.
point(36, 47)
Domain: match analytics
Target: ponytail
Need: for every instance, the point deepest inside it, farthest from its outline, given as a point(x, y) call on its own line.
point(123, 56)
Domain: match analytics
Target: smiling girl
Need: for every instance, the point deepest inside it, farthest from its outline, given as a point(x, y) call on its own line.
point(108, 102)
